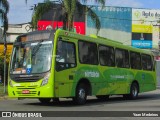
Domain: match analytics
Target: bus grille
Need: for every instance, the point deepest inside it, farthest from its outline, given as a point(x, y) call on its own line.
point(27, 79)
point(26, 87)
point(32, 91)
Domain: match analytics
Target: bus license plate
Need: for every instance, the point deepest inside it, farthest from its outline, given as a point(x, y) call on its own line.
point(25, 92)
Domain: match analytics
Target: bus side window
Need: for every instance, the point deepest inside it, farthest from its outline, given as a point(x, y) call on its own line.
point(106, 55)
point(119, 58)
point(60, 55)
point(65, 55)
point(146, 62)
point(153, 63)
point(88, 53)
point(122, 58)
point(135, 60)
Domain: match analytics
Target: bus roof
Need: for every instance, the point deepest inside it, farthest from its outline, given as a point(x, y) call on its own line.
point(104, 41)
point(35, 35)
point(91, 38)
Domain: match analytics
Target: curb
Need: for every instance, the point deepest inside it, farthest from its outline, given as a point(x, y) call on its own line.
point(3, 97)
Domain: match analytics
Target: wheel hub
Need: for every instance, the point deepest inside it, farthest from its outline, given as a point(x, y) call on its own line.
point(82, 93)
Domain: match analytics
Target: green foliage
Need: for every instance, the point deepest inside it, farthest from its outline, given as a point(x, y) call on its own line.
point(1, 67)
point(95, 18)
point(69, 7)
point(39, 11)
point(4, 9)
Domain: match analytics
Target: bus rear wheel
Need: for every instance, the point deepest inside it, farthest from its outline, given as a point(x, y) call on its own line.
point(133, 92)
point(45, 100)
point(81, 94)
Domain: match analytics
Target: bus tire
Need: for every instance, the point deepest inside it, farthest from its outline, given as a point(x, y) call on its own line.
point(81, 94)
point(56, 100)
point(102, 97)
point(133, 92)
point(45, 100)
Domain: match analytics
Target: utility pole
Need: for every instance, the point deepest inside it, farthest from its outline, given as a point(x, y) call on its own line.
point(5, 49)
point(159, 35)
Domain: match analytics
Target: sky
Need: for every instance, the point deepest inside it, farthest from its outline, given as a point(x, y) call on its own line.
point(19, 11)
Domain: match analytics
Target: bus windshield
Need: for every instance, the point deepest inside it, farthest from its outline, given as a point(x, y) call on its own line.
point(31, 57)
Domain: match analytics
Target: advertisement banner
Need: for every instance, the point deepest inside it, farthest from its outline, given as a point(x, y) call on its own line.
point(142, 44)
point(79, 27)
point(142, 28)
point(53, 19)
point(146, 21)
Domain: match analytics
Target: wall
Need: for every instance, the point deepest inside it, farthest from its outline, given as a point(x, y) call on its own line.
point(15, 30)
point(115, 23)
point(158, 72)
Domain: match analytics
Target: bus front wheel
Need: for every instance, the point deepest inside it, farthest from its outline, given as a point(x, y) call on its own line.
point(81, 94)
point(45, 100)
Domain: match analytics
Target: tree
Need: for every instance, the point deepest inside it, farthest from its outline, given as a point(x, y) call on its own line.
point(68, 10)
point(39, 11)
point(4, 9)
point(2, 72)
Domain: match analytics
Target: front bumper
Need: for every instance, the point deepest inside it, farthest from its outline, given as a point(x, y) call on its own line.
point(30, 90)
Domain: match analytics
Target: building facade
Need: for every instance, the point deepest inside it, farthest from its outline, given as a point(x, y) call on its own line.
point(132, 26)
point(14, 30)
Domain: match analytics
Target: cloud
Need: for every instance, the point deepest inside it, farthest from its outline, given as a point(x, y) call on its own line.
point(124, 3)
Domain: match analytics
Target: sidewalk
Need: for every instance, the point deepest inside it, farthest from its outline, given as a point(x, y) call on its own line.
point(158, 87)
point(2, 95)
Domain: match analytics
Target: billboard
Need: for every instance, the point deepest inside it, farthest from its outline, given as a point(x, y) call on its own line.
point(54, 19)
point(145, 25)
point(142, 40)
point(79, 27)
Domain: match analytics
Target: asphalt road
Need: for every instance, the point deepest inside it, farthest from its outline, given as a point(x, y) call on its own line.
point(149, 101)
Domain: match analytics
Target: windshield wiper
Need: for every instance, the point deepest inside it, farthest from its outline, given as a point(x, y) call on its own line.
point(36, 48)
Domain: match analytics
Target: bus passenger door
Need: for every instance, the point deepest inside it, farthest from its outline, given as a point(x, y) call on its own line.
point(65, 65)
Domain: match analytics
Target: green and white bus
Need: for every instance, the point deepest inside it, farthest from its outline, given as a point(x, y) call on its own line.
point(49, 65)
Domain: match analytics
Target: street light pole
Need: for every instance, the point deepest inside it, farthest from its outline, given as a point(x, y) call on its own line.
point(159, 35)
point(5, 49)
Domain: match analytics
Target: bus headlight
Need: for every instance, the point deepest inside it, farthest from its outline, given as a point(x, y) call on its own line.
point(45, 80)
